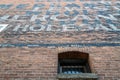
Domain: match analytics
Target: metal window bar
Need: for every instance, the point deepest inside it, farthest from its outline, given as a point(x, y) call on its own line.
point(72, 69)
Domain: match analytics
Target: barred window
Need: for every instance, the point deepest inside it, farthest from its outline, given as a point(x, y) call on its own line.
point(73, 63)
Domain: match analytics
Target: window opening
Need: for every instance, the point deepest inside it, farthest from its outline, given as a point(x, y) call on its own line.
point(73, 63)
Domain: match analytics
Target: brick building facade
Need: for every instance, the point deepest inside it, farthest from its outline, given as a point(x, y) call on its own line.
point(60, 40)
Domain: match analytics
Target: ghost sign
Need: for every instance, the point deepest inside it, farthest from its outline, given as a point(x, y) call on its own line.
point(58, 17)
point(3, 27)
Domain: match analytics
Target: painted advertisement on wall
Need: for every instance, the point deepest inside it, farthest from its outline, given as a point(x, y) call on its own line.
point(54, 21)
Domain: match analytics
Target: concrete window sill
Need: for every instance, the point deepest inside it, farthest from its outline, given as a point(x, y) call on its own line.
point(82, 76)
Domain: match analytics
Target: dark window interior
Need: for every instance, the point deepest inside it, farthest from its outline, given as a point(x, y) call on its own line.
point(73, 63)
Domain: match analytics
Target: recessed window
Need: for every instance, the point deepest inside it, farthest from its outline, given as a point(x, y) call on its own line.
point(73, 63)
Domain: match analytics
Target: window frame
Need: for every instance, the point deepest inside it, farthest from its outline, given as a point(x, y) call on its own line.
point(81, 76)
point(86, 67)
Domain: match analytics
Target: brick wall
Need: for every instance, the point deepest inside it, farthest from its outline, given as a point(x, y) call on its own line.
point(41, 63)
